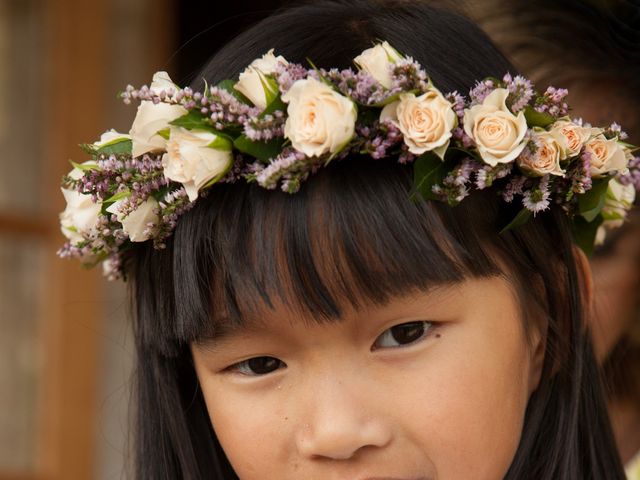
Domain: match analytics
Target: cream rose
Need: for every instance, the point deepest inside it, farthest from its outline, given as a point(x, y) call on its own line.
point(607, 155)
point(426, 121)
point(546, 159)
point(194, 157)
point(498, 133)
point(161, 82)
point(618, 202)
point(570, 136)
point(136, 223)
point(80, 215)
point(150, 119)
point(378, 61)
point(320, 120)
point(250, 82)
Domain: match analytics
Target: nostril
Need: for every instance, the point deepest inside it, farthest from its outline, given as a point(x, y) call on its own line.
point(340, 439)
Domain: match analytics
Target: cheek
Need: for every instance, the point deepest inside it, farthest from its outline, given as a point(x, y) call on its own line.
point(250, 434)
point(472, 405)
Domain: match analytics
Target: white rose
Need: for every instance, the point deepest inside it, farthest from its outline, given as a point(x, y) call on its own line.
point(195, 157)
point(618, 202)
point(546, 159)
point(250, 81)
point(137, 221)
point(81, 214)
point(320, 120)
point(498, 133)
point(150, 119)
point(378, 61)
point(606, 155)
point(110, 136)
point(426, 121)
point(162, 82)
point(570, 136)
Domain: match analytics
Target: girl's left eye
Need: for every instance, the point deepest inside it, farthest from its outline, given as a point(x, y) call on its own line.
point(257, 366)
point(403, 334)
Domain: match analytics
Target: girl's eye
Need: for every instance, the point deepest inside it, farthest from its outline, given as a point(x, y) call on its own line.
point(257, 366)
point(403, 334)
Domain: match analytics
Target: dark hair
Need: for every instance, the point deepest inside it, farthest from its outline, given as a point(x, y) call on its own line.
point(350, 234)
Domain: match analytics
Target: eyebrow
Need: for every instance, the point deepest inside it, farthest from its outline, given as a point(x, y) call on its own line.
point(225, 329)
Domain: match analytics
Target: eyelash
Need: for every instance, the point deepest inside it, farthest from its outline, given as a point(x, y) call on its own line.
point(244, 367)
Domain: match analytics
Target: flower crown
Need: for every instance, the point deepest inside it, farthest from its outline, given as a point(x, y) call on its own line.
point(280, 122)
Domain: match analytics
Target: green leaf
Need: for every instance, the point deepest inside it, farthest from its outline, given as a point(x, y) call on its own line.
point(260, 150)
point(628, 146)
point(193, 120)
point(229, 86)
point(221, 143)
point(459, 153)
point(584, 232)
point(590, 204)
point(270, 87)
point(520, 219)
point(276, 104)
point(118, 196)
point(428, 170)
point(119, 146)
point(165, 133)
point(537, 119)
point(84, 167)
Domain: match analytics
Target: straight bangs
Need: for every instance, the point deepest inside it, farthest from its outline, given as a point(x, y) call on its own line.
point(350, 236)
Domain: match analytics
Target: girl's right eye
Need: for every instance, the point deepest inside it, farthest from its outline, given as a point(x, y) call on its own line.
point(257, 366)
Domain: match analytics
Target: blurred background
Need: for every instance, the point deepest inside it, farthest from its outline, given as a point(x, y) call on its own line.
point(65, 346)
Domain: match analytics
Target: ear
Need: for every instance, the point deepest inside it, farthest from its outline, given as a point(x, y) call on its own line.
point(584, 270)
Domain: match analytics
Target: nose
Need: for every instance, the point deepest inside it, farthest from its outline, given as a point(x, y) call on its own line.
point(341, 420)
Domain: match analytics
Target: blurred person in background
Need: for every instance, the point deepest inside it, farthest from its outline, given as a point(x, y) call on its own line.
point(592, 47)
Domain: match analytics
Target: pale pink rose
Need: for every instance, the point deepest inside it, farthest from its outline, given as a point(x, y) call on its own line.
point(607, 155)
point(79, 218)
point(546, 159)
point(194, 157)
point(497, 133)
point(251, 81)
point(150, 119)
point(320, 120)
point(570, 136)
point(426, 121)
point(136, 223)
point(162, 82)
point(377, 61)
point(618, 202)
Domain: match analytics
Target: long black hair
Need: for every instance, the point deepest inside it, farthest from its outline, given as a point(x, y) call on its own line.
point(350, 235)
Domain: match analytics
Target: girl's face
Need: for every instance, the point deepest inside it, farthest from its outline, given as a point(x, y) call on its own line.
point(429, 386)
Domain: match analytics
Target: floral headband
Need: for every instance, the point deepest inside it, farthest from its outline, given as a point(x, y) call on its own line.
point(280, 122)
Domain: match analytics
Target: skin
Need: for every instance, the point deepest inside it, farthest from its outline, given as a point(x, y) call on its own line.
point(347, 401)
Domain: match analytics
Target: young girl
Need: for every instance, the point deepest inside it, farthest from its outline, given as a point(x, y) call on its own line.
point(354, 325)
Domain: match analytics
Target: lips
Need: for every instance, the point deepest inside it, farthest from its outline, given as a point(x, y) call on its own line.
point(396, 478)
